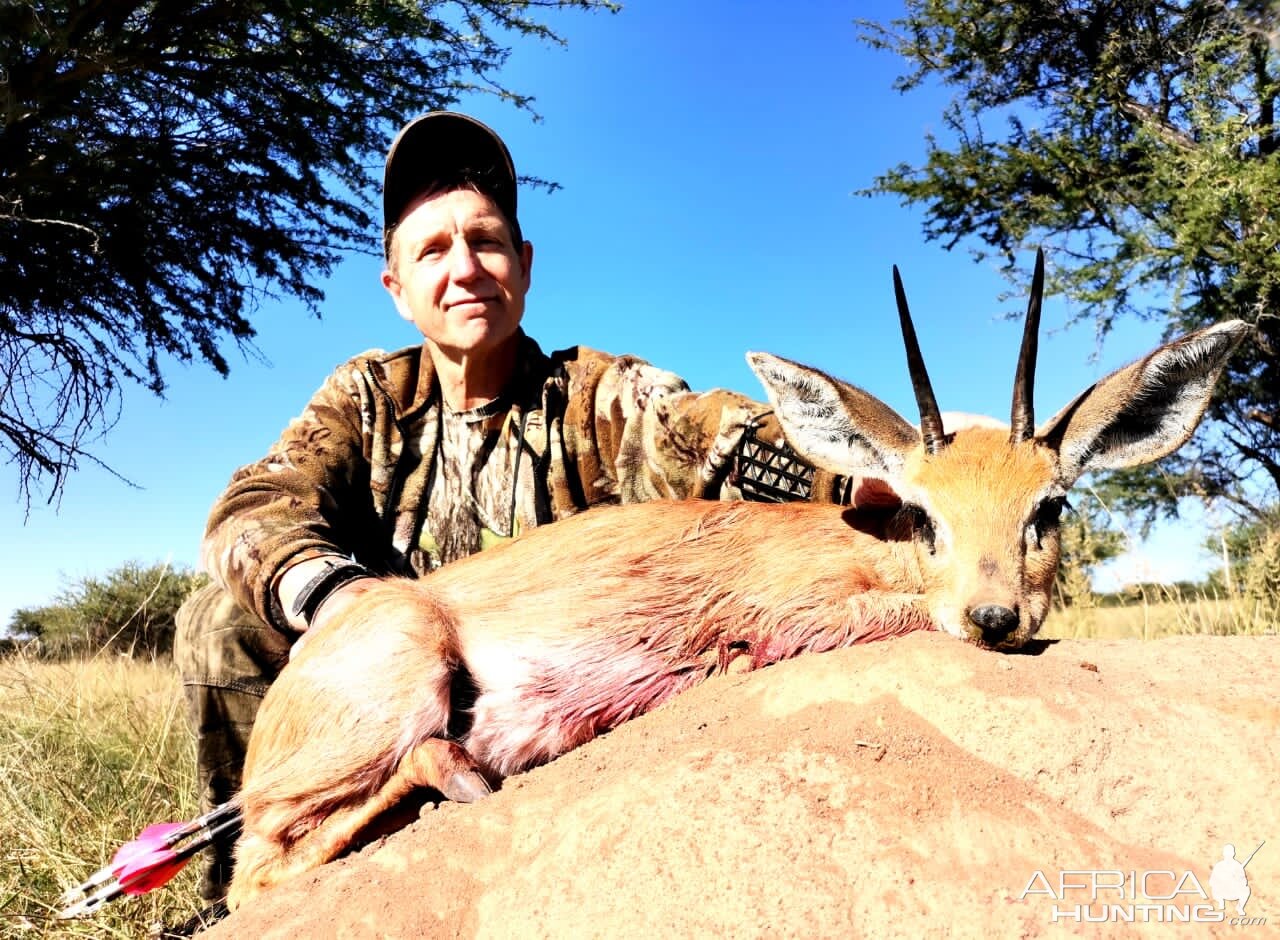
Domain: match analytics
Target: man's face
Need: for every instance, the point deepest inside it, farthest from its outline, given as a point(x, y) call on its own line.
point(456, 275)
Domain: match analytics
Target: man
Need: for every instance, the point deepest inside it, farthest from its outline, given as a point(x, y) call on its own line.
point(405, 461)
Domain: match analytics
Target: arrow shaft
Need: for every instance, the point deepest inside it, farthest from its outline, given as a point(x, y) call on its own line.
point(184, 841)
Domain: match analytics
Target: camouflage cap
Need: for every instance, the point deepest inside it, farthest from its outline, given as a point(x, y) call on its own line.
point(441, 144)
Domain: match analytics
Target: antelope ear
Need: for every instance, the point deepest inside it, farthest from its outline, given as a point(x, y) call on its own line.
point(831, 424)
point(1144, 411)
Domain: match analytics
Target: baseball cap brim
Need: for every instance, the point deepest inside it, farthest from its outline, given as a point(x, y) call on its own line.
point(439, 146)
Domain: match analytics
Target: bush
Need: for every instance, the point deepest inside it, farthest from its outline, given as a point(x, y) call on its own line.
point(130, 610)
point(1088, 539)
point(1252, 550)
point(1260, 572)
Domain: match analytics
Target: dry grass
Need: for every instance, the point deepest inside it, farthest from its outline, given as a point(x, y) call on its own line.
point(93, 751)
point(1154, 615)
point(90, 753)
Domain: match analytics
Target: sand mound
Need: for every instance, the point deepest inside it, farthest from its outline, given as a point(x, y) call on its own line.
point(905, 788)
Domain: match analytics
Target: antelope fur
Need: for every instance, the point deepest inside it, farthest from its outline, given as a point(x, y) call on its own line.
point(575, 628)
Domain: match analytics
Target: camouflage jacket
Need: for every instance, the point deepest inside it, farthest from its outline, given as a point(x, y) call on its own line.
point(353, 474)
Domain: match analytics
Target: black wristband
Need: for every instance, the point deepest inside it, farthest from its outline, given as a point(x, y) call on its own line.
point(317, 590)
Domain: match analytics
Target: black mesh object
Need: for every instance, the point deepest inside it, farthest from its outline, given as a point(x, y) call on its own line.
point(768, 473)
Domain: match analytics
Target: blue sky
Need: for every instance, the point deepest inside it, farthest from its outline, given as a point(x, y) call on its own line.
point(709, 153)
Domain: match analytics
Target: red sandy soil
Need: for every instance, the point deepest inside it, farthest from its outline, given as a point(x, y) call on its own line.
point(907, 788)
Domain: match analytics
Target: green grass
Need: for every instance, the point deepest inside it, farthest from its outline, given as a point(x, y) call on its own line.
point(91, 752)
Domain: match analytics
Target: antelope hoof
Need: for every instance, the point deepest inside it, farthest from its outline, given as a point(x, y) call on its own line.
point(466, 786)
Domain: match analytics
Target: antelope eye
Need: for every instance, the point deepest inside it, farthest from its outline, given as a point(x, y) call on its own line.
point(1048, 516)
point(912, 522)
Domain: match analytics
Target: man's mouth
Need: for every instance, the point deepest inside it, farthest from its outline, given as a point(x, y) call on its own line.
point(468, 302)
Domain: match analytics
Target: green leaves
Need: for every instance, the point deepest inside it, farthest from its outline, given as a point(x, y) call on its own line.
point(164, 166)
point(1135, 140)
point(130, 609)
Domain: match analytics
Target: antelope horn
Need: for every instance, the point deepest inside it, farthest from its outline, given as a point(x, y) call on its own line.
point(935, 438)
point(1023, 422)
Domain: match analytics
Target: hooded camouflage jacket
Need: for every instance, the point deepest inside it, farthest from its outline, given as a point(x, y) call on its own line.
point(354, 474)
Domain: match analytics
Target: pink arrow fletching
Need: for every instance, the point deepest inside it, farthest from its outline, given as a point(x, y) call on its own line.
point(149, 842)
point(151, 860)
point(142, 879)
point(148, 861)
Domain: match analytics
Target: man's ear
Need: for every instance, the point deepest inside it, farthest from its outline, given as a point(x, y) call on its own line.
point(526, 262)
point(393, 287)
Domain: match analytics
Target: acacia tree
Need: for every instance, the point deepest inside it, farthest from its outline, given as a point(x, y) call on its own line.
point(1136, 140)
point(165, 165)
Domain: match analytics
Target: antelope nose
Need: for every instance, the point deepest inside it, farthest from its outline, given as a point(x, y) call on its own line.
point(995, 622)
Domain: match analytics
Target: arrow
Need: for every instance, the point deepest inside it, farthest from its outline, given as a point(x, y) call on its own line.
point(151, 860)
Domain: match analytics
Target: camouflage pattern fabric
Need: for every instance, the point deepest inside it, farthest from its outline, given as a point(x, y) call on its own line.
point(377, 468)
point(351, 475)
point(227, 659)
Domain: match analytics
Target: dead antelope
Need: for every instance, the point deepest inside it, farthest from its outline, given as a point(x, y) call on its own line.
point(577, 627)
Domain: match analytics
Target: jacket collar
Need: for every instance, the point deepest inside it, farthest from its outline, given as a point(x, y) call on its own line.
point(408, 378)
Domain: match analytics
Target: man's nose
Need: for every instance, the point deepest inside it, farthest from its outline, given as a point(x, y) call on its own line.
point(462, 261)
